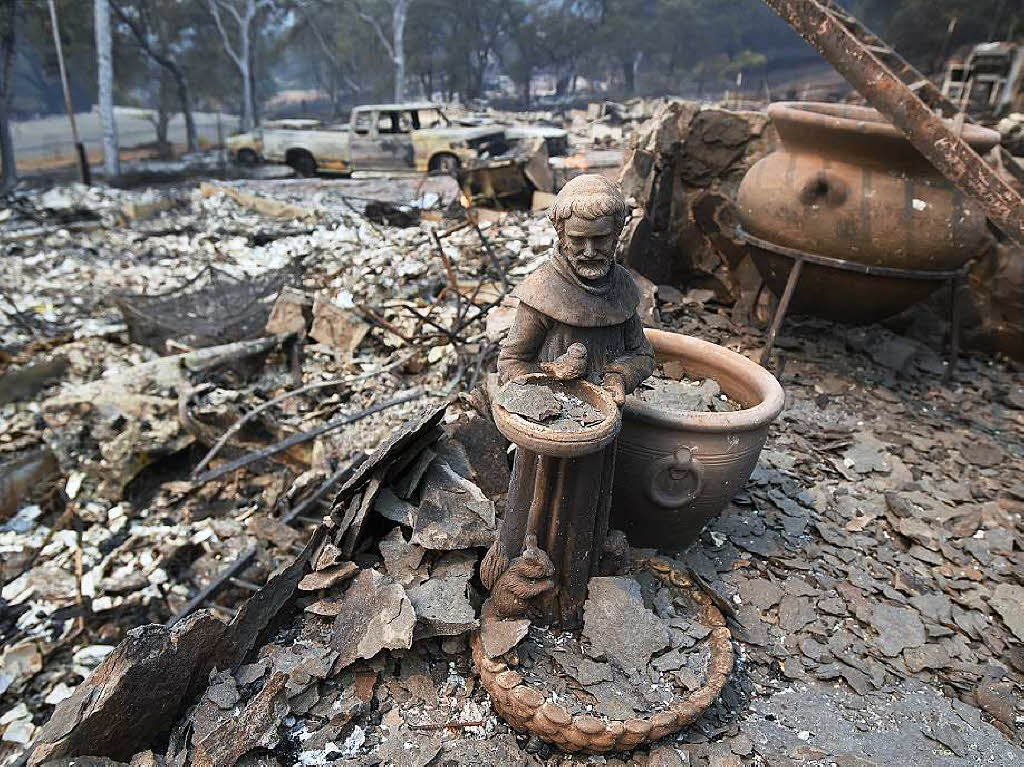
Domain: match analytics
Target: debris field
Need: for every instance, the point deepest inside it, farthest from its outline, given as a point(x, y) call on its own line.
point(162, 463)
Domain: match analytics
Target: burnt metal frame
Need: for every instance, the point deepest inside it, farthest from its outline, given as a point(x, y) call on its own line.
point(952, 277)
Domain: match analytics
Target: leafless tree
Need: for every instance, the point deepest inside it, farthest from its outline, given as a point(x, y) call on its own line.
point(7, 50)
point(163, 109)
point(105, 75)
point(341, 70)
point(244, 13)
point(147, 34)
point(395, 46)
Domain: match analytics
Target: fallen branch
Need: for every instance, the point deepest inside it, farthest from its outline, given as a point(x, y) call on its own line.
point(298, 439)
point(237, 425)
point(162, 373)
point(493, 256)
point(453, 278)
point(262, 205)
point(213, 587)
point(445, 725)
point(375, 319)
point(342, 475)
point(44, 231)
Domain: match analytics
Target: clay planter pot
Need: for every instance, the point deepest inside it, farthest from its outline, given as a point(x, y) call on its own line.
point(846, 184)
point(674, 471)
point(562, 444)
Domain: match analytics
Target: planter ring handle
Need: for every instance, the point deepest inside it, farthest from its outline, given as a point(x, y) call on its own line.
point(675, 480)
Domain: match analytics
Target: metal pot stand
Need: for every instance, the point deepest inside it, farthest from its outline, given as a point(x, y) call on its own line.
point(952, 277)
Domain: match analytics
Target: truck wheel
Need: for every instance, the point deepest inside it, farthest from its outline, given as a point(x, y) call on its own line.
point(303, 164)
point(444, 163)
point(246, 157)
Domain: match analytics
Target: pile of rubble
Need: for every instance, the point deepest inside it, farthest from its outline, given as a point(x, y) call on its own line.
point(106, 524)
point(681, 171)
point(870, 570)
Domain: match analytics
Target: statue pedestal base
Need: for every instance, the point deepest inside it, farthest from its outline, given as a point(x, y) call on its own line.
point(529, 705)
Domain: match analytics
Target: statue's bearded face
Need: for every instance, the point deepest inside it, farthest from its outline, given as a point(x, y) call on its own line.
point(589, 245)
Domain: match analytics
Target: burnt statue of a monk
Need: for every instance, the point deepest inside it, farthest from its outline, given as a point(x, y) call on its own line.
point(577, 318)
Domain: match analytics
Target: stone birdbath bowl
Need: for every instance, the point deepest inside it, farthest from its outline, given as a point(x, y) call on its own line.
point(559, 442)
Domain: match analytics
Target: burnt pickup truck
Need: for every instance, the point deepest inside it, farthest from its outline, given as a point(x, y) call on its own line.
point(415, 136)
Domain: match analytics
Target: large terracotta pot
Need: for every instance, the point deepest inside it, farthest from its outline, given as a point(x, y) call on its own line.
point(674, 471)
point(847, 184)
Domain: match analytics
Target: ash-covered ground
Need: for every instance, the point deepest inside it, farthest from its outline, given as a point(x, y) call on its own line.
point(871, 567)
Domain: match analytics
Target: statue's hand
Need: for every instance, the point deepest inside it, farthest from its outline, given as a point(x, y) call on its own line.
point(568, 366)
point(614, 385)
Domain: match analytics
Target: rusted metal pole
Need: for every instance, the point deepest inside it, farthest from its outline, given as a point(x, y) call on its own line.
point(889, 95)
point(780, 311)
point(83, 160)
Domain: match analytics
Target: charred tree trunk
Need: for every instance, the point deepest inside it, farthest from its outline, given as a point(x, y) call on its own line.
point(185, 100)
point(253, 75)
point(105, 75)
point(161, 57)
point(7, 158)
point(163, 119)
point(524, 92)
point(398, 17)
point(628, 74)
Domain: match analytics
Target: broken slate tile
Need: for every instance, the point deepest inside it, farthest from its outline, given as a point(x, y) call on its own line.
point(328, 577)
point(442, 607)
point(453, 513)
point(408, 481)
point(329, 556)
point(1008, 600)
point(755, 631)
point(409, 748)
point(934, 607)
point(686, 679)
point(403, 561)
point(670, 661)
point(798, 587)
point(618, 625)
point(224, 693)
point(454, 564)
point(250, 672)
point(499, 636)
point(898, 628)
point(374, 614)
point(867, 454)
point(949, 736)
point(391, 507)
point(589, 672)
point(484, 448)
point(759, 592)
point(815, 650)
point(256, 726)
point(982, 453)
point(533, 402)
point(795, 613)
point(999, 700)
point(859, 681)
point(615, 700)
point(917, 659)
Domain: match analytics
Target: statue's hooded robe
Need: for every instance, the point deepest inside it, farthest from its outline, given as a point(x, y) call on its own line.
point(556, 310)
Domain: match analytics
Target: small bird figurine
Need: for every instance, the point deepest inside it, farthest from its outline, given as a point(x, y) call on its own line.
point(569, 366)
